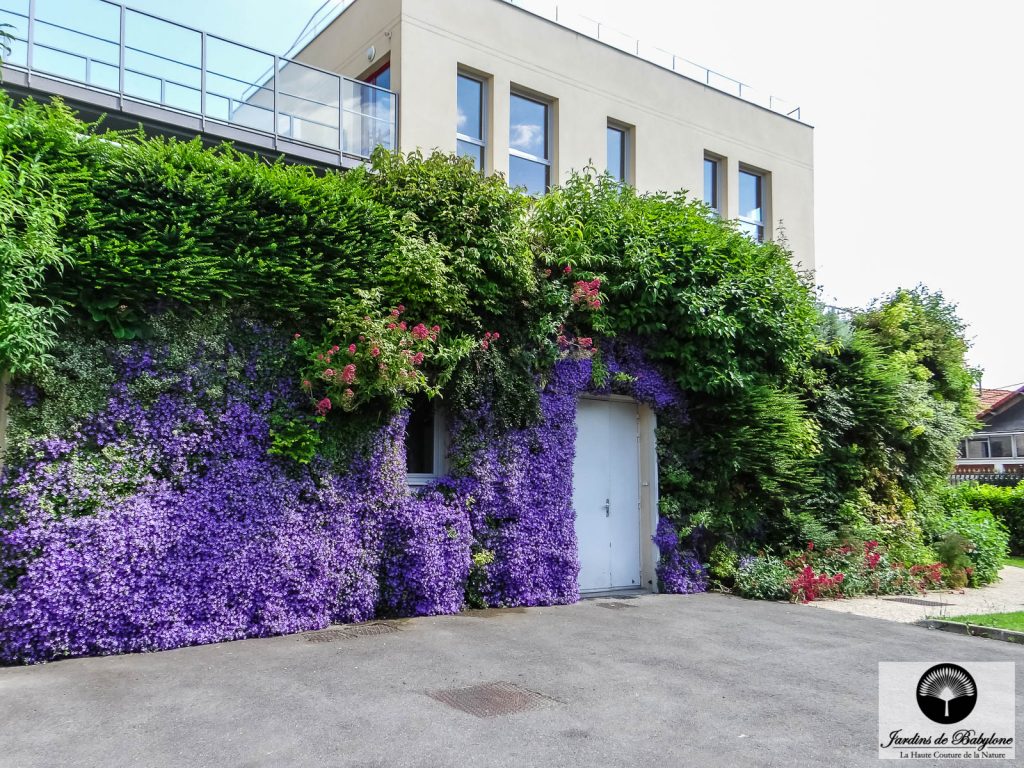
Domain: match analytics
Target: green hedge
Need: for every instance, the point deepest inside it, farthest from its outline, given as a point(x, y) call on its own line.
point(1006, 503)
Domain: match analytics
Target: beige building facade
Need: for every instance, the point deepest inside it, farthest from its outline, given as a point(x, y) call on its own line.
point(535, 100)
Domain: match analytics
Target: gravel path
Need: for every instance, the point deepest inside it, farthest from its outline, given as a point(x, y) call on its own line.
point(1005, 595)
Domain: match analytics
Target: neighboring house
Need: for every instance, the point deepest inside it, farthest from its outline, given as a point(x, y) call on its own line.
point(534, 99)
point(999, 447)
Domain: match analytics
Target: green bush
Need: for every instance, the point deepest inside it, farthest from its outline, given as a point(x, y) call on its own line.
point(988, 537)
point(1006, 503)
point(765, 577)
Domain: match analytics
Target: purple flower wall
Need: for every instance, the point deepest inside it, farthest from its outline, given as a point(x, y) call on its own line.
point(160, 520)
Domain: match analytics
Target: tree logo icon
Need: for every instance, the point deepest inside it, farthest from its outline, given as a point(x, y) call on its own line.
point(946, 693)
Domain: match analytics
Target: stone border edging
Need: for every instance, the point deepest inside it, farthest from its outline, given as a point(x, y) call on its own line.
point(973, 630)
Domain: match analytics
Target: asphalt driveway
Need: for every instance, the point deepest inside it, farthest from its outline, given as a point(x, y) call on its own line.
point(699, 680)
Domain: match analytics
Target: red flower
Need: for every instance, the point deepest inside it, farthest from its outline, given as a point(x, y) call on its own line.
point(298, 336)
point(351, 349)
point(348, 374)
point(810, 546)
point(375, 352)
point(567, 270)
point(328, 373)
point(323, 406)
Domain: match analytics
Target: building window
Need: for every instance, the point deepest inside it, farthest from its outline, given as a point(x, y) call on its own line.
point(1020, 445)
point(470, 129)
point(977, 448)
point(752, 205)
point(1000, 446)
point(381, 78)
point(529, 162)
point(712, 188)
point(424, 442)
point(617, 147)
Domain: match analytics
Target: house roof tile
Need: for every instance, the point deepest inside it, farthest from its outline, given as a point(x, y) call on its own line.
point(990, 399)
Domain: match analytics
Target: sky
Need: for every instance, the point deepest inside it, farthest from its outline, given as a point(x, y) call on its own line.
point(915, 103)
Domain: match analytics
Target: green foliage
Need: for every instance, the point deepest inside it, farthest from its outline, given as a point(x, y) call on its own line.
point(295, 439)
point(988, 537)
point(73, 385)
point(478, 578)
point(951, 550)
point(723, 564)
point(927, 337)
point(718, 309)
point(764, 578)
point(1006, 503)
point(31, 212)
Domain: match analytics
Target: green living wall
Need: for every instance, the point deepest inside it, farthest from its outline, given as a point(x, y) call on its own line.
point(179, 323)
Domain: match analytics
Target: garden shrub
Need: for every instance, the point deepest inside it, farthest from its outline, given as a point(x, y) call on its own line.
point(988, 539)
point(764, 577)
point(1006, 503)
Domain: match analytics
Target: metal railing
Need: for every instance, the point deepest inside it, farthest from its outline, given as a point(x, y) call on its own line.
point(552, 11)
point(1004, 479)
point(109, 47)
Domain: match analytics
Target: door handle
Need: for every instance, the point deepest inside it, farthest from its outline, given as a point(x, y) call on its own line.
point(607, 507)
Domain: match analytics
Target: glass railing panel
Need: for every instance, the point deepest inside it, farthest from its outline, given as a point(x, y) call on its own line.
point(172, 65)
point(77, 41)
point(308, 105)
point(162, 61)
point(239, 85)
point(14, 13)
point(369, 118)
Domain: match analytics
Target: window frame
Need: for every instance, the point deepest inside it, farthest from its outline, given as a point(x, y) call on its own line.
point(440, 427)
point(484, 117)
point(760, 227)
point(1016, 440)
point(548, 105)
point(717, 163)
point(626, 147)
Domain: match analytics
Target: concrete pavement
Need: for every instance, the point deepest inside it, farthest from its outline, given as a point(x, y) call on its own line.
point(701, 680)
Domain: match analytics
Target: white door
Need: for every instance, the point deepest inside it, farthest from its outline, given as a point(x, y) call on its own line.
point(606, 494)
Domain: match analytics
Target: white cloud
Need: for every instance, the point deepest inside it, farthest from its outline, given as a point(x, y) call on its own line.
point(527, 137)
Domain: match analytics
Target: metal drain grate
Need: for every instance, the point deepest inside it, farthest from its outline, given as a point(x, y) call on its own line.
point(354, 630)
point(615, 606)
point(491, 699)
point(916, 601)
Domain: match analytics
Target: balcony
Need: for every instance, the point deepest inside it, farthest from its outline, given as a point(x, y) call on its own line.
point(120, 60)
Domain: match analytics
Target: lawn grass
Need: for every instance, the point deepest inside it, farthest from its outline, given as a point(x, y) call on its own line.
point(1017, 561)
point(1013, 620)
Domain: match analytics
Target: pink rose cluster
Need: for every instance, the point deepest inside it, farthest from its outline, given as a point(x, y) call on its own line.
point(587, 293)
point(489, 338)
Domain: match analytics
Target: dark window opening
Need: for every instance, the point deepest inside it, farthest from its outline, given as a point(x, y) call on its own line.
point(419, 438)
